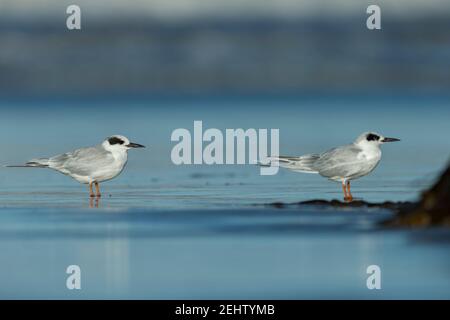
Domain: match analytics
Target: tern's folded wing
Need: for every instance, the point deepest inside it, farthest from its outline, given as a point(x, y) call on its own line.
point(339, 162)
point(83, 161)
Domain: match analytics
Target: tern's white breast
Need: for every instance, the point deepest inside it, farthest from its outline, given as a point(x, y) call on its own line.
point(113, 170)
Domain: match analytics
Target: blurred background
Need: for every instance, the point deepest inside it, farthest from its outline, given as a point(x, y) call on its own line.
point(215, 46)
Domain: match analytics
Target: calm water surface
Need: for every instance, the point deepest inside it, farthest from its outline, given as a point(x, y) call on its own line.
point(166, 231)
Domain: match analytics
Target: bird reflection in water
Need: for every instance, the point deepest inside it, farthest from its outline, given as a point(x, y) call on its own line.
point(94, 202)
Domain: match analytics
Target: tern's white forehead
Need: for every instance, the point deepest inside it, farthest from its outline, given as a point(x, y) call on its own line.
point(117, 140)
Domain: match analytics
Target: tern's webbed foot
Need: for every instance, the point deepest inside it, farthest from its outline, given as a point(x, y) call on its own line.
point(348, 199)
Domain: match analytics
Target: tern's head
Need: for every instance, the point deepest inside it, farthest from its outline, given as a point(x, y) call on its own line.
point(119, 143)
point(370, 139)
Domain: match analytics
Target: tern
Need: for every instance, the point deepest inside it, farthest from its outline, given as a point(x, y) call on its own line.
point(90, 165)
point(341, 164)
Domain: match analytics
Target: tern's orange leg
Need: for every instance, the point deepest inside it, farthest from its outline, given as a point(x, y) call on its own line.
point(91, 193)
point(345, 191)
point(349, 194)
point(97, 189)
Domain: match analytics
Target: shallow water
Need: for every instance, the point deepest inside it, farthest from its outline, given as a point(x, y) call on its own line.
point(209, 254)
point(166, 231)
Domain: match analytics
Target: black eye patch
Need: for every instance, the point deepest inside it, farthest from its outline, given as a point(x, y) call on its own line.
point(115, 140)
point(372, 137)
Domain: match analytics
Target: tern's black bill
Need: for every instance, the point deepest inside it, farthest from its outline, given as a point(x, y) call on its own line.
point(135, 145)
point(390, 139)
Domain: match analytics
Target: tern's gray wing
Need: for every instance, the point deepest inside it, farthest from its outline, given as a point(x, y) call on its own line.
point(341, 162)
point(82, 161)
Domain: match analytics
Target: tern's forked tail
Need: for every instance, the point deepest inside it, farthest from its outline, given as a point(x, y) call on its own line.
point(34, 163)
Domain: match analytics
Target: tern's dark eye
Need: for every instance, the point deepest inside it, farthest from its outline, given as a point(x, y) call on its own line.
point(372, 137)
point(115, 140)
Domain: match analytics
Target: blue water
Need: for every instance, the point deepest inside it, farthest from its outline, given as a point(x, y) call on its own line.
point(166, 231)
